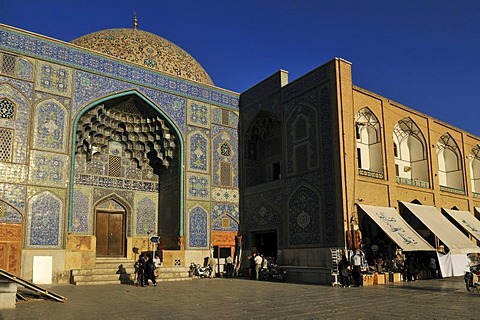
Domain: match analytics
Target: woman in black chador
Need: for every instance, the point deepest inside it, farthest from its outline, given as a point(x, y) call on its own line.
point(150, 271)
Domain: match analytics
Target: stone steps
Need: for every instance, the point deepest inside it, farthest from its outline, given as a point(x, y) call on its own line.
point(121, 271)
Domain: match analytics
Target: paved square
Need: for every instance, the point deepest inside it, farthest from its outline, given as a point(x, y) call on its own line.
point(246, 299)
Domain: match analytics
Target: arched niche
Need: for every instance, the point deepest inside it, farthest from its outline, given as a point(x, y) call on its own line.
point(369, 143)
point(450, 169)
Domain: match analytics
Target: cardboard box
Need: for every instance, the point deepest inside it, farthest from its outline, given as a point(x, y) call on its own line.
point(368, 279)
point(379, 278)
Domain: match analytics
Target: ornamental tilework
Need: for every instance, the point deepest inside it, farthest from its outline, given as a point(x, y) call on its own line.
point(9, 214)
point(54, 79)
point(51, 126)
point(304, 217)
point(19, 123)
point(146, 212)
point(14, 195)
point(48, 169)
point(310, 115)
point(198, 114)
point(81, 211)
point(26, 88)
point(198, 150)
point(262, 216)
point(90, 87)
point(198, 227)
point(225, 195)
point(329, 182)
point(25, 69)
point(224, 138)
point(222, 211)
point(234, 119)
point(45, 221)
point(75, 57)
point(198, 186)
point(15, 173)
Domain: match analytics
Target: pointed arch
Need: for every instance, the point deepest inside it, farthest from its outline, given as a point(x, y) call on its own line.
point(262, 143)
point(450, 167)
point(369, 143)
point(45, 221)
point(475, 170)
point(411, 162)
point(158, 155)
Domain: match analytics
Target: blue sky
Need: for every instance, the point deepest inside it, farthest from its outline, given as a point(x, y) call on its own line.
point(423, 54)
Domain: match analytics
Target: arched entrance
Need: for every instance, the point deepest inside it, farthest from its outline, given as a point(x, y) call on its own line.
point(110, 228)
point(128, 153)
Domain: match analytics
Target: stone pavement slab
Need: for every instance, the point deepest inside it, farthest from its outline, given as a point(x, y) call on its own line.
point(245, 299)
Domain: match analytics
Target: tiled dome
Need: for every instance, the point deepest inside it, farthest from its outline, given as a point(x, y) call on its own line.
point(146, 49)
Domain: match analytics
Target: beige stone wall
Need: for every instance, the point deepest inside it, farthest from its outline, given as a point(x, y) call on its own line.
point(387, 192)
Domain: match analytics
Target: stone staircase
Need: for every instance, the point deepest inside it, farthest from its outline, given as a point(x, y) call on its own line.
point(121, 271)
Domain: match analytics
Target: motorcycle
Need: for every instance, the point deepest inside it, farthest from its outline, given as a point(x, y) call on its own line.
point(199, 271)
point(273, 272)
point(471, 277)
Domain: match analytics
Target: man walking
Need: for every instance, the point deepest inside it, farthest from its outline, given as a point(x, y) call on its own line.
point(357, 263)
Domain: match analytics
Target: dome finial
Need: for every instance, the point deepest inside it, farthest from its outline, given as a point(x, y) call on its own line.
point(135, 20)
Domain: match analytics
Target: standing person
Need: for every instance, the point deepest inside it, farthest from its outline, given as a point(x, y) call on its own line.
point(229, 262)
point(433, 267)
point(140, 266)
point(156, 262)
point(258, 265)
point(357, 263)
point(344, 270)
point(149, 271)
point(238, 252)
point(251, 259)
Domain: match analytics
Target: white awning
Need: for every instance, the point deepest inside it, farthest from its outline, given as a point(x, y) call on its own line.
point(396, 228)
point(466, 220)
point(433, 219)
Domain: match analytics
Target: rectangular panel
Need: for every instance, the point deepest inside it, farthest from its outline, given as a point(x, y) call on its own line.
point(396, 228)
point(102, 233)
point(433, 219)
point(115, 237)
point(42, 269)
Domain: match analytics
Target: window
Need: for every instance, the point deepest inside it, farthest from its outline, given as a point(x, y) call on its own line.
point(7, 109)
point(8, 64)
point(357, 131)
point(6, 142)
point(397, 170)
point(225, 174)
point(395, 150)
point(114, 166)
point(359, 157)
point(225, 117)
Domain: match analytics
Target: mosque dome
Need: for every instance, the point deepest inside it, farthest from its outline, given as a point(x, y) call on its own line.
point(146, 49)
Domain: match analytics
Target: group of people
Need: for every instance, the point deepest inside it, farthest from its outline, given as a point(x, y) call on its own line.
point(407, 265)
point(145, 268)
point(257, 262)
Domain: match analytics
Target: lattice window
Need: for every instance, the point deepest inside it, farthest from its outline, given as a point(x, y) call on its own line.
point(8, 64)
point(7, 109)
point(6, 143)
point(114, 166)
point(301, 158)
point(225, 223)
point(225, 174)
point(225, 117)
point(300, 129)
point(225, 149)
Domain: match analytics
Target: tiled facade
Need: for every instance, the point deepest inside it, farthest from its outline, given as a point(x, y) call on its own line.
point(54, 181)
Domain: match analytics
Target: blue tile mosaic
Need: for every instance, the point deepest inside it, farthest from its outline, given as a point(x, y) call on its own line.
point(80, 214)
point(198, 150)
point(146, 211)
point(51, 121)
point(198, 226)
point(75, 57)
point(221, 136)
point(304, 217)
point(45, 221)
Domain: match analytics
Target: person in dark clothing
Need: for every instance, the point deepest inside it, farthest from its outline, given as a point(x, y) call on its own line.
point(253, 273)
point(140, 268)
point(150, 271)
point(344, 271)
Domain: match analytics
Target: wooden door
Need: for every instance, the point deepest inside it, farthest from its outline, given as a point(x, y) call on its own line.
point(110, 233)
point(10, 247)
